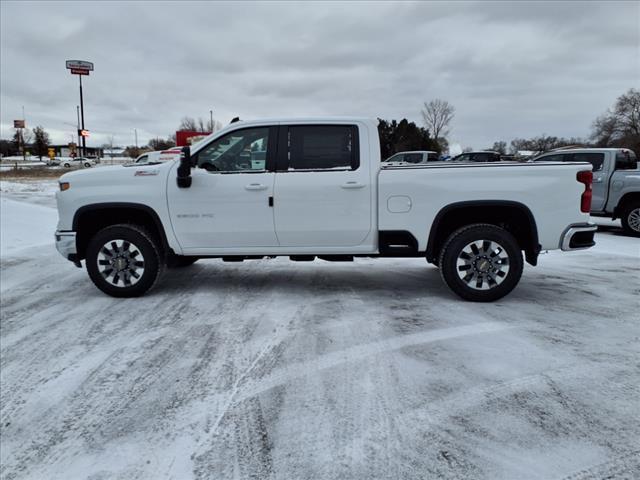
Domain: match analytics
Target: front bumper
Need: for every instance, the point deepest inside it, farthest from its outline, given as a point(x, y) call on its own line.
point(578, 237)
point(66, 245)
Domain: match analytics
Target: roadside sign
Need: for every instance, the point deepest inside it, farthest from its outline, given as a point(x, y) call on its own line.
point(83, 133)
point(79, 64)
point(18, 124)
point(79, 67)
point(51, 152)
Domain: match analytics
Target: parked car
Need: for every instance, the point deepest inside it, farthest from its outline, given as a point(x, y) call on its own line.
point(77, 162)
point(477, 157)
point(420, 156)
point(159, 156)
point(321, 192)
point(616, 182)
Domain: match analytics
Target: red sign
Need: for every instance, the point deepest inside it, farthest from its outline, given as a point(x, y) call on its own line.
point(78, 71)
point(18, 124)
point(186, 137)
point(83, 133)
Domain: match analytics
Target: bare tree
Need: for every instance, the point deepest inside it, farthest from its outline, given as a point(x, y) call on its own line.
point(620, 125)
point(199, 125)
point(500, 147)
point(437, 115)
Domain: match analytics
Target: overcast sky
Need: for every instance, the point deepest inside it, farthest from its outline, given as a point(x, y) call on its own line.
point(510, 69)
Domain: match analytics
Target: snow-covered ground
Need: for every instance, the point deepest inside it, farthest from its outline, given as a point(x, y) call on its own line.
point(275, 369)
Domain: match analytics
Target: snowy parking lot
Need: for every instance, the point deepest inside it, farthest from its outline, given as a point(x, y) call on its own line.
point(276, 369)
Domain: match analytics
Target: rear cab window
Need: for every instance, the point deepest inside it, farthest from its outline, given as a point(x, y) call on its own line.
point(595, 159)
point(322, 147)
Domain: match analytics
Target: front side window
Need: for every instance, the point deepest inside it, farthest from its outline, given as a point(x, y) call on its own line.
point(323, 147)
point(626, 160)
point(239, 151)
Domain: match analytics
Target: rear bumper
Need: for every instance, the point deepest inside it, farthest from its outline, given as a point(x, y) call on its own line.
point(66, 244)
point(578, 237)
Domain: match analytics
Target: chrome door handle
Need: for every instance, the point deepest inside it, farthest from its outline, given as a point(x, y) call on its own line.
point(255, 186)
point(352, 185)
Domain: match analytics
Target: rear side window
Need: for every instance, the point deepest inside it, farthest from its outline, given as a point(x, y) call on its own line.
point(595, 159)
point(432, 157)
point(323, 147)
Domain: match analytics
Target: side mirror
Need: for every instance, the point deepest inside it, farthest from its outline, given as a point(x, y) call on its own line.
point(184, 169)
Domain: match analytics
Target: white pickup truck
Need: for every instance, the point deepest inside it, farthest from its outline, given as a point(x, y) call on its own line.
point(307, 188)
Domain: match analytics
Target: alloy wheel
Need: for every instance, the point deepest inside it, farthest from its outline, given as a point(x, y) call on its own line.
point(483, 264)
point(120, 262)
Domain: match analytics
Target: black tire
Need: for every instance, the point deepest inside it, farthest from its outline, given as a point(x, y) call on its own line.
point(87, 165)
point(495, 263)
point(179, 261)
point(630, 217)
point(67, 165)
point(124, 260)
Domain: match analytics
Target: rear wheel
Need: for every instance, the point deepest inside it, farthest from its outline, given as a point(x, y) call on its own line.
point(631, 219)
point(481, 262)
point(87, 165)
point(123, 260)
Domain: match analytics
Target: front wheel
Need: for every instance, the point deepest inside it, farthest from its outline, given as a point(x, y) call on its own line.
point(87, 165)
point(67, 165)
point(123, 260)
point(631, 219)
point(481, 262)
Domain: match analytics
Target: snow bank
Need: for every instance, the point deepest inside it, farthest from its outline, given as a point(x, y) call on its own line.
point(24, 225)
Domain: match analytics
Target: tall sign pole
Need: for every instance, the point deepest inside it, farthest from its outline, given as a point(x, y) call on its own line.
point(84, 138)
point(80, 68)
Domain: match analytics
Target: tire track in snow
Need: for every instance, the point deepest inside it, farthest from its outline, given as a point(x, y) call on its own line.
point(285, 374)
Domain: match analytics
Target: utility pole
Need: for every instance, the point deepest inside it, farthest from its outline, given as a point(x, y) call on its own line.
point(211, 124)
point(24, 147)
point(84, 139)
point(78, 130)
point(135, 132)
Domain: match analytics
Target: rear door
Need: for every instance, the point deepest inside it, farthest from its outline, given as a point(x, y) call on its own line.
point(323, 190)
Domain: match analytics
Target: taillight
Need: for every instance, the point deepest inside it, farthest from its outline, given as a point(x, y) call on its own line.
point(585, 177)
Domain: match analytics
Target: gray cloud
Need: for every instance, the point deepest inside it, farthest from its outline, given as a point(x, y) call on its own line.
point(510, 69)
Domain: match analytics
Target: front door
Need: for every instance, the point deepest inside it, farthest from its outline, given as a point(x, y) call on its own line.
point(323, 191)
point(227, 205)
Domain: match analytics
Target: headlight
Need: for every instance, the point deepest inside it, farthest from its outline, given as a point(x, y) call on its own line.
point(64, 186)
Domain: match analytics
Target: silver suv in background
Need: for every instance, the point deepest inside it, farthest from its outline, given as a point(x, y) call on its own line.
point(616, 182)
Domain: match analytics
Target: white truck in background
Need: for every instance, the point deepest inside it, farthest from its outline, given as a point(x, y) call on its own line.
point(316, 188)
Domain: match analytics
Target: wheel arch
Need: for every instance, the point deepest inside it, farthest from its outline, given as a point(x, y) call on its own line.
point(89, 219)
point(624, 200)
point(515, 217)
